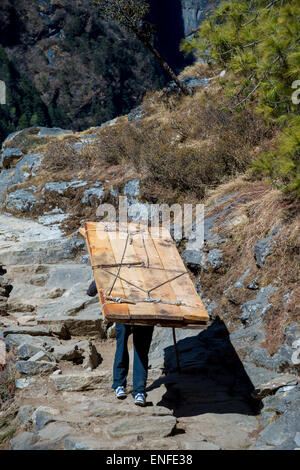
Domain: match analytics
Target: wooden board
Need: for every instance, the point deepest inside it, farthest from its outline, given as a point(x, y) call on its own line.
point(151, 269)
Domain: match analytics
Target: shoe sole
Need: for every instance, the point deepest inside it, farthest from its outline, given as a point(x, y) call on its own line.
point(140, 404)
point(122, 397)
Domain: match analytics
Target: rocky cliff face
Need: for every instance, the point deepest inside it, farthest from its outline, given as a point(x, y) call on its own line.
point(84, 71)
point(193, 13)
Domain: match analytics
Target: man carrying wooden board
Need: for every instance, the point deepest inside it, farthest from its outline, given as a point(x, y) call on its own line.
point(141, 282)
point(142, 336)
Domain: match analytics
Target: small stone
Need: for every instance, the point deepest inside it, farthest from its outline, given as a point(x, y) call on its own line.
point(24, 382)
point(57, 372)
point(92, 357)
point(25, 414)
point(253, 285)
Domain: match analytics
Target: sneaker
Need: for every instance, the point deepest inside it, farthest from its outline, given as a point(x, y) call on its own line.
point(140, 399)
point(120, 393)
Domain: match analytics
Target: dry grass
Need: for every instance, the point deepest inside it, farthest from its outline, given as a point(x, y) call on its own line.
point(7, 380)
point(254, 211)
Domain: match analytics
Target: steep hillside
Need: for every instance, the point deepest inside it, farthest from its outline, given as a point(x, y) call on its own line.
point(84, 71)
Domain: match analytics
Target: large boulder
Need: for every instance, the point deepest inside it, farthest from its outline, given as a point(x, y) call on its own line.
point(21, 201)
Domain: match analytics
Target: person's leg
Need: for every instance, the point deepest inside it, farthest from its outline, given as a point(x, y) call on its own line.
point(121, 362)
point(142, 337)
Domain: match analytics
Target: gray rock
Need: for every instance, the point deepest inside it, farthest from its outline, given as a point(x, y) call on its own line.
point(262, 249)
point(254, 285)
point(257, 307)
point(199, 444)
point(12, 340)
point(20, 200)
point(24, 168)
point(34, 330)
point(33, 368)
point(24, 382)
point(282, 400)
point(193, 258)
point(9, 155)
point(147, 427)
point(136, 114)
point(81, 443)
point(214, 259)
point(107, 124)
point(56, 216)
point(55, 433)
point(25, 351)
point(258, 375)
point(105, 409)
point(292, 333)
point(63, 186)
point(93, 196)
point(10, 137)
point(67, 352)
point(270, 387)
point(92, 357)
point(82, 324)
point(44, 415)
point(42, 356)
point(83, 381)
point(267, 417)
point(52, 131)
point(284, 429)
point(25, 414)
point(132, 188)
point(283, 358)
point(24, 441)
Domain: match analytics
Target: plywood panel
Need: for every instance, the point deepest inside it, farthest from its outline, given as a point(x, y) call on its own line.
point(148, 268)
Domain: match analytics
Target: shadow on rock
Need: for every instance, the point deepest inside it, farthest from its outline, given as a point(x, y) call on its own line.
point(212, 377)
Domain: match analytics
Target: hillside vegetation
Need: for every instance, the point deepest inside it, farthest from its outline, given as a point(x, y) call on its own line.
point(258, 43)
point(64, 66)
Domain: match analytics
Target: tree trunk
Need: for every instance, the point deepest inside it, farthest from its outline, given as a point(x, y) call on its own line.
point(166, 67)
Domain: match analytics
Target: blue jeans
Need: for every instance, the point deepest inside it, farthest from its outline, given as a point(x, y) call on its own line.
point(142, 336)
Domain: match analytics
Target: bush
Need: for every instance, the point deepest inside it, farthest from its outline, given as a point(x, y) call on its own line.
point(259, 42)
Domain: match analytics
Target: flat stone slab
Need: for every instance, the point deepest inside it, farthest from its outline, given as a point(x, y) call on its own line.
point(83, 381)
point(56, 330)
point(273, 385)
point(148, 427)
point(35, 367)
point(228, 431)
point(79, 325)
point(104, 409)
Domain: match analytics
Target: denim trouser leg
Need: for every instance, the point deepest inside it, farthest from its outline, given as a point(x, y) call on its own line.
point(121, 362)
point(142, 336)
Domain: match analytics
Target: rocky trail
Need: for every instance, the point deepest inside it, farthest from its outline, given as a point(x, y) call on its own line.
point(64, 360)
